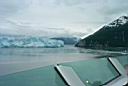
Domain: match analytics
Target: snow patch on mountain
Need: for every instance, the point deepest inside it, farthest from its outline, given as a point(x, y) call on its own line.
point(120, 21)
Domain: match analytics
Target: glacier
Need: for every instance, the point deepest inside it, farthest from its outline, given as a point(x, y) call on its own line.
point(29, 42)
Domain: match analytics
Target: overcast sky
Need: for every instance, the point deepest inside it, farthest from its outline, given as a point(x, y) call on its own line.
point(84, 16)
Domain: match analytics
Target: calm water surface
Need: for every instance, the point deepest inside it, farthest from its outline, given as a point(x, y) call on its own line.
point(20, 59)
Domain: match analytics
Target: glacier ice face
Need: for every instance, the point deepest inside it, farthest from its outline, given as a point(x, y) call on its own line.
point(120, 21)
point(29, 42)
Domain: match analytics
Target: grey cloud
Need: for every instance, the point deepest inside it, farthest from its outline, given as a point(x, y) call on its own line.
point(114, 7)
point(8, 7)
point(72, 14)
point(74, 2)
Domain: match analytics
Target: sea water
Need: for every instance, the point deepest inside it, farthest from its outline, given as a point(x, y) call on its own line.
point(35, 66)
point(20, 59)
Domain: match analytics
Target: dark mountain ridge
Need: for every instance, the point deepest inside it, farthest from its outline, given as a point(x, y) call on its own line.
point(113, 35)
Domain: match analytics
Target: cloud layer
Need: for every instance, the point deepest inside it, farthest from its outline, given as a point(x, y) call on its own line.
point(73, 15)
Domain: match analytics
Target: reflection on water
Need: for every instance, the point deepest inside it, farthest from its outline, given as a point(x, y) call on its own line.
point(45, 53)
point(13, 60)
point(20, 59)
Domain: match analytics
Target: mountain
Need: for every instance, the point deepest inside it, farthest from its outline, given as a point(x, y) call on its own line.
point(113, 35)
point(67, 40)
point(28, 42)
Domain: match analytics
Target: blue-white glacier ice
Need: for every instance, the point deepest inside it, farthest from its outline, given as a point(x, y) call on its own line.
point(28, 42)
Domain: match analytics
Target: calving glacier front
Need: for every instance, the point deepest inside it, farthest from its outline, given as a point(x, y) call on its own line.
point(26, 42)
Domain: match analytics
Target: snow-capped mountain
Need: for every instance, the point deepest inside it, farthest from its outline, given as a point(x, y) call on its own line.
point(120, 21)
point(29, 42)
point(113, 35)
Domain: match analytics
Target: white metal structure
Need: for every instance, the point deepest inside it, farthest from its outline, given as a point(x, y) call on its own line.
point(72, 79)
